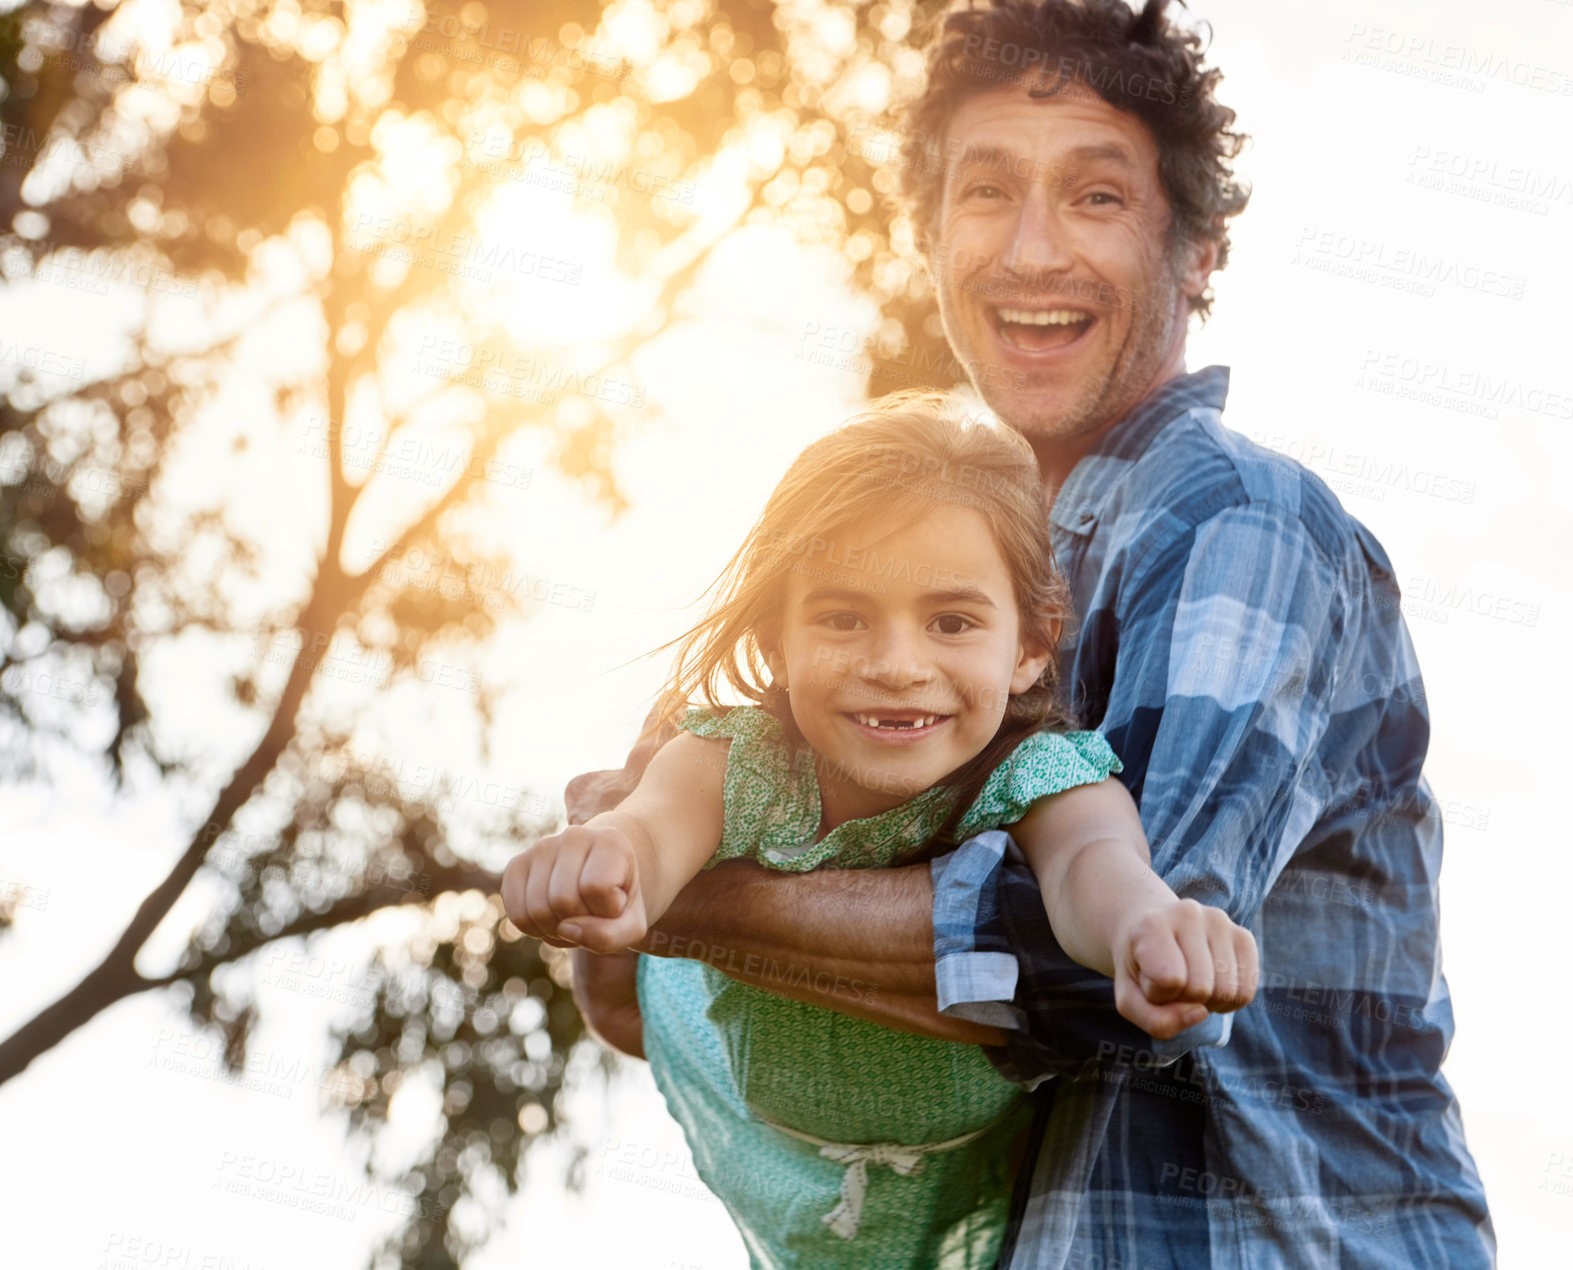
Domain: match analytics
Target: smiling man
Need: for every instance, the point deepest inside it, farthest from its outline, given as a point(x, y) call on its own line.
point(1067, 170)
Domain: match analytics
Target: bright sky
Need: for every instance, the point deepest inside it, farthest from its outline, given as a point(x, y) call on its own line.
point(1382, 132)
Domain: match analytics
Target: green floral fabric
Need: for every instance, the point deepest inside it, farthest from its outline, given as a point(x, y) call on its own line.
point(772, 795)
point(729, 1057)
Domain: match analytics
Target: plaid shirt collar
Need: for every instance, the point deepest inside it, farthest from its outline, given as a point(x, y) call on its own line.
point(1077, 507)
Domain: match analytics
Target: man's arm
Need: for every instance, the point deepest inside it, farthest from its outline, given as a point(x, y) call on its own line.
point(854, 940)
point(860, 941)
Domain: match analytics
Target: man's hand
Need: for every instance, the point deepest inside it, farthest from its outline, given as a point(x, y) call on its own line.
point(606, 993)
point(1178, 962)
point(580, 886)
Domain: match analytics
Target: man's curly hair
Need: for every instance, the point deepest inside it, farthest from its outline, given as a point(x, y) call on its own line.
point(1137, 61)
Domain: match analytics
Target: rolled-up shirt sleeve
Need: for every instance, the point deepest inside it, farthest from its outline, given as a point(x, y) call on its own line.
point(1229, 647)
point(997, 962)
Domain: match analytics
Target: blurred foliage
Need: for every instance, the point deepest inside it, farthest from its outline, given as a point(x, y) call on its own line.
point(230, 165)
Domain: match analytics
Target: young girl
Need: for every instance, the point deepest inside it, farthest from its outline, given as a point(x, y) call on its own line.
point(893, 617)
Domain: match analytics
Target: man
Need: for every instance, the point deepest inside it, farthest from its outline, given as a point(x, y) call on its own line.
point(1241, 647)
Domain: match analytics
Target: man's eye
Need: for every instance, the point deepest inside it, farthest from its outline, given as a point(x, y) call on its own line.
point(1102, 198)
point(983, 191)
point(952, 624)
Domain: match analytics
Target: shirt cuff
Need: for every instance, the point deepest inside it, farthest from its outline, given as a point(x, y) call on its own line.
point(975, 972)
point(979, 986)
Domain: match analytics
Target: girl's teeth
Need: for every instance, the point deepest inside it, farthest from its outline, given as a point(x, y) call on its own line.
point(1043, 317)
point(869, 721)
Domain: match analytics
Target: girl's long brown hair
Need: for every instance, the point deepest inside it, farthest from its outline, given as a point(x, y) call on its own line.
point(904, 453)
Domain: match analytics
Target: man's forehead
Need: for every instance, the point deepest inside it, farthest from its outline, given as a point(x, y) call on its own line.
point(1081, 128)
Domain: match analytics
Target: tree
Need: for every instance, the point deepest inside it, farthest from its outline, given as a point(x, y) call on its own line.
point(341, 175)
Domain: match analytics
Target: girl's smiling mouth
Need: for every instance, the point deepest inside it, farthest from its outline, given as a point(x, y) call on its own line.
point(898, 726)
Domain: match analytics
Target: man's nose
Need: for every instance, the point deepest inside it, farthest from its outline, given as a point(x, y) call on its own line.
point(1038, 247)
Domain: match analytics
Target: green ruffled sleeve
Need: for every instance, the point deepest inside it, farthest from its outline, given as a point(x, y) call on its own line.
point(1043, 764)
point(771, 804)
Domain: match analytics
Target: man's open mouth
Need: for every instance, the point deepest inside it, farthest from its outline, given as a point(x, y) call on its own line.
point(1038, 330)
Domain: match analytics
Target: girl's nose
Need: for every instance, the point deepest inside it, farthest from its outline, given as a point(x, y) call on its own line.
point(896, 663)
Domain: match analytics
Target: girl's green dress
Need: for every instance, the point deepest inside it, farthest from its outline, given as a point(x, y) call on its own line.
point(833, 1141)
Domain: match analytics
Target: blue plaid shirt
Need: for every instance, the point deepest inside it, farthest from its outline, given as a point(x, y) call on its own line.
point(1242, 649)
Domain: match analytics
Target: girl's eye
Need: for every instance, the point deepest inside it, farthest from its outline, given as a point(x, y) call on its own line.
point(952, 624)
point(841, 621)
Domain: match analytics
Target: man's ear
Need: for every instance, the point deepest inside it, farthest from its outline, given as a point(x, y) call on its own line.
point(1197, 262)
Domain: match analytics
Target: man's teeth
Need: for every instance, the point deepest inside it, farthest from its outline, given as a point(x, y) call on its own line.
point(873, 721)
point(1044, 317)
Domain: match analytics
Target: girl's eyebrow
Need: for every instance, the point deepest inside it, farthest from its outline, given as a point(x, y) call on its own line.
point(832, 593)
point(962, 595)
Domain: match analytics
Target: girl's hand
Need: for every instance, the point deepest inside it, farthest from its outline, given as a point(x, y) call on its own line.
point(1176, 963)
point(578, 887)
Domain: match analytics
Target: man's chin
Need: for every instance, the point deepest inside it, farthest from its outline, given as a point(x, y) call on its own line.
point(1041, 415)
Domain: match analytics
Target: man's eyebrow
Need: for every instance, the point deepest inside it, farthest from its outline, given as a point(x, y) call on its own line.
point(1107, 150)
point(997, 157)
point(991, 156)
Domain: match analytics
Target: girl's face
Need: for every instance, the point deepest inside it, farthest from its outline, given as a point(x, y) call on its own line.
point(900, 645)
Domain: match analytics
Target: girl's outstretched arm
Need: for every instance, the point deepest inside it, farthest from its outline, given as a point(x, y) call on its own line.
point(603, 884)
point(1171, 960)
